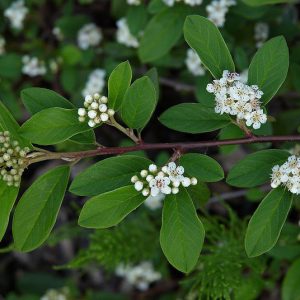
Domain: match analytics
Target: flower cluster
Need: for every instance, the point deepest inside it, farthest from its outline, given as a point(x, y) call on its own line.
point(134, 2)
point(16, 14)
point(95, 109)
point(2, 45)
point(139, 276)
point(188, 2)
point(217, 11)
point(193, 63)
point(52, 294)
point(238, 99)
point(124, 36)
point(95, 82)
point(165, 181)
point(287, 175)
point(32, 66)
point(12, 161)
point(89, 36)
point(261, 33)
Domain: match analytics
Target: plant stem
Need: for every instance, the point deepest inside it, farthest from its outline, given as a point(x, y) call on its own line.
point(183, 146)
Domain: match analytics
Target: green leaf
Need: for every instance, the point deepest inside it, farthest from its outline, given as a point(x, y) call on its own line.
point(182, 233)
point(267, 221)
point(118, 83)
point(139, 103)
point(10, 66)
point(153, 75)
point(8, 197)
point(162, 33)
point(205, 38)
point(269, 67)
point(193, 118)
point(38, 208)
point(110, 208)
point(137, 18)
point(108, 174)
point(201, 166)
point(264, 2)
point(291, 286)
point(52, 125)
point(36, 99)
point(256, 168)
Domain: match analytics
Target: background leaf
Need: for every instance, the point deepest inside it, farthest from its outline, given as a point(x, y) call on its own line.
point(267, 221)
point(38, 208)
point(193, 118)
point(118, 83)
point(139, 103)
point(110, 208)
point(182, 233)
point(203, 167)
point(291, 286)
point(52, 125)
point(205, 38)
point(269, 67)
point(256, 168)
point(108, 174)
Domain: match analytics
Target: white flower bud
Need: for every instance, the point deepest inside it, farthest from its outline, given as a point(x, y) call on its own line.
point(96, 96)
point(144, 173)
point(111, 112)
point(149, 178)
point(81, 112)
point(164, 169)
point(6, 156)
point(138, 186)
point(92, 114)
point(94, 105)
point(102, 107)
point(81, 119)
point(104, 117)
point(104, 99)
point(91, 123)
point(97, 120)
point(153, 168)
point(176, 183)
point(161, 174)
point(134, 179)
point(175, 190)
point(194, 181)
point(88, 99)
point(186, 182)
point(145, 192)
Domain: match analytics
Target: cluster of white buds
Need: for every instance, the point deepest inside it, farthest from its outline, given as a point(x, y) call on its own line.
point(88, 36)
point(217, 11)
point(61, 294)
point(139, 276)
point(12, 159)
point(238, 99)
point(32, 66)
point(287, 175)
point(95, 82)
point(188, 2)
point(134, 2)
point(2, 45)
point(95, 109)
point(193, 63)
point(16, 14)
point(261, 33)
point(166, 180)
point(124, 36)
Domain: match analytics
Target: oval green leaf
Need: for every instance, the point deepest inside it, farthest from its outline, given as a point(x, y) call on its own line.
point(205, 38)
point(38, 208)
point(108, 174)
point(139, 103)
point(269, 67)
point(52, 125)
point(110, 208)
point(203, 167)
point(256, 168)
point(118, 83)
point(182, 233)
point(193, 118)
point(267, 221)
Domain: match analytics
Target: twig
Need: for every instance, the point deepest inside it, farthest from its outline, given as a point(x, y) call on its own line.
point(178, 86)
point(183, 146)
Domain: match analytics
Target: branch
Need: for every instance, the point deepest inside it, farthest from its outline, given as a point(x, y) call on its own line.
point(181, 146)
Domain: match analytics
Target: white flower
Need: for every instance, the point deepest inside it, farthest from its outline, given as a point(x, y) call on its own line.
point(32, 66)
point(160, 184)
point(139, 276)
point(95, 82)
point(95, 109)
point(2, 45)
point(124, 35)
point(194, 64)
point(174, 172)
point(261, 33)
point(16, 14)
point(154, 203)
point(217, 11)
point(256, 118)
point(89, 36)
